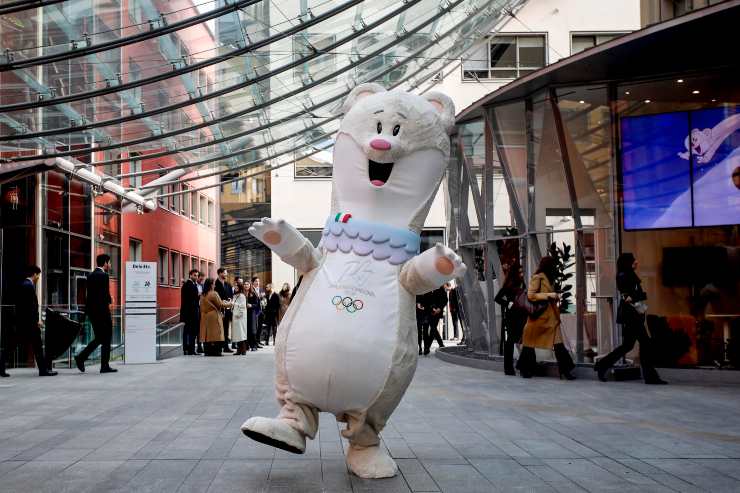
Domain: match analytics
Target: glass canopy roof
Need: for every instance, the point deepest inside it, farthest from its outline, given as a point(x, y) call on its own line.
point(218, 86)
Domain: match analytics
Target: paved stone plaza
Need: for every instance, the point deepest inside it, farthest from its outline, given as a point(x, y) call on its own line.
point(174, 426)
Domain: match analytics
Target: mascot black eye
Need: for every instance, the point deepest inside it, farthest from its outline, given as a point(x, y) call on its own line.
point(380, 127)
point(396, 129)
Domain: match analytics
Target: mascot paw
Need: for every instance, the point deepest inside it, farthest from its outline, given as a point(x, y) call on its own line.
point(278, 235)
point(447, 262)
point(275, 432)
point(371, 462)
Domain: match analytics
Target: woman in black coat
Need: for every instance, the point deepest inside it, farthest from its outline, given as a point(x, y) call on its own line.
point(514, 318)
point(631, 314)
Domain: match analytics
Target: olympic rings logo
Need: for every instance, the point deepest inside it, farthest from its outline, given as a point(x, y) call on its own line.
point(347, 303)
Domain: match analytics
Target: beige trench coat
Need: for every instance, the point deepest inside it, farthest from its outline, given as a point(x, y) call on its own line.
point(211, 320)
point(543, 332)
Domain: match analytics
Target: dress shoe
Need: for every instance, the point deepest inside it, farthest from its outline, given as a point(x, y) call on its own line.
point(567, 376)
point(80, 363)
point(254, 349)
point(227, 349)
point(108, 369)
point(421, 352)
point(199, 350)
point(525, 375)
point(510, 372)
point(48, 373)
point(656, 381)
point(4, 375)
point(259, 346)
point(600, 372)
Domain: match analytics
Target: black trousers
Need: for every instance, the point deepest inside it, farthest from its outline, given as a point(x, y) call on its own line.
point(270, 328)
point(633, 332)
point(252, 322)
point(422, 328)
point(189, 334)
point(433, 333)
point(513, 336)
point(227, 325)
point(32, 336)
point(103, 331)
point(455, 316)
point(527, 363)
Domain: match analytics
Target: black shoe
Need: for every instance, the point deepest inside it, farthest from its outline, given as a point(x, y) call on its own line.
point(80, 363)
point(254, 349)
point(567, 376)
point(47, 373)
point(233, 345)
point(656, 381)
point(525, 375)
point(4, 375)
point(108, 369)
point(510, 372)
point(421, 352)
point(227, 349)
point(259, 346)
point(199, 350)
point(600, 372)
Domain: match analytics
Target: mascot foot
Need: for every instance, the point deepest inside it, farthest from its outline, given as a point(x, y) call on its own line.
point(275, 432)
point(371, 462)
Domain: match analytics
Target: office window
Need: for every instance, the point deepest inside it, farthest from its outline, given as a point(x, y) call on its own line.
point(162, 260)
point(171, 198)
point(175, 269)
point(176, 202)
point(211, 269)
point(184, 200)
point(185, 268)
point(134, 250)
point(203, 209)
point(581, 42)
point(506, 57)
point(135, 181)
point(204, 268)
point(211, 211)
point(194, 263)
point(162, 201)
point(194, 206)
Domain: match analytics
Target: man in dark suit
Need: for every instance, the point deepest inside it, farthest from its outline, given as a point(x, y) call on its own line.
point(422, 324)
point(97, 308)
point(226, 292)
point(190, 312)
point(436, 301)
point(27, 319)
point(272, 309)
point(455, 315)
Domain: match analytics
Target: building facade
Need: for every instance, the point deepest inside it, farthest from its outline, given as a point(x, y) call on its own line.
point(538, 33)
point(59, 222)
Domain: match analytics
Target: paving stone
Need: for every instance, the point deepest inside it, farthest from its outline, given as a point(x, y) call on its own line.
point(167, 427)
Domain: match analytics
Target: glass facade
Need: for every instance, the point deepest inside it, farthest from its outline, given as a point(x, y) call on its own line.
point(594, 171)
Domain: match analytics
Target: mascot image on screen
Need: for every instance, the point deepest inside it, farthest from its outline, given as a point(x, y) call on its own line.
point(348, 344)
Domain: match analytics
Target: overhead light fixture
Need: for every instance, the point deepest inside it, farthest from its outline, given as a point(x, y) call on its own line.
point(714, 100)
point(582, 101)
point(694, 92)
point(680, 81)
point(647, 100)
point(627, 93)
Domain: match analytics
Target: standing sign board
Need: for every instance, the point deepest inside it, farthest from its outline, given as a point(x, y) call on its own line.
point(141, 312)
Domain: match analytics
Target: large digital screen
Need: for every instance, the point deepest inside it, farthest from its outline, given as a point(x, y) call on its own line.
point(681, 169)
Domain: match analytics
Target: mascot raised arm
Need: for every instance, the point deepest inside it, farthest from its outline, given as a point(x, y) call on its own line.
point(348, 344)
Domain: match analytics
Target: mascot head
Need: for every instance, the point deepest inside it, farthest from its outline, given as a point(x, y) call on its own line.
point(390, 154)
point(701, 140)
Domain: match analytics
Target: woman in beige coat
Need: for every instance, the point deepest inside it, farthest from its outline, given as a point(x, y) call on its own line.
point(211, 320)
point(544, 331)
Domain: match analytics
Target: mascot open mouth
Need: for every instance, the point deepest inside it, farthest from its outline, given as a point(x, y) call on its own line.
point(379, 172)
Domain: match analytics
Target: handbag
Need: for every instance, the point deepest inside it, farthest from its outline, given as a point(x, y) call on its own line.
point(533, 308)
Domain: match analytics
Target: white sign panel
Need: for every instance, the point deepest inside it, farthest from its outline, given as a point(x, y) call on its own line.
point(140, 312)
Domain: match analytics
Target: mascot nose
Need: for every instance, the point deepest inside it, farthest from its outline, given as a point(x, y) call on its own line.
point(380, 144)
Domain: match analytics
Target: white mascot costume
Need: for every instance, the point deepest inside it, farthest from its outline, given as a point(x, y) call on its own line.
point(348, 344)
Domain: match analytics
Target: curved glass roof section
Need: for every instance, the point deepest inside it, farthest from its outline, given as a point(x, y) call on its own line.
point(219, 86)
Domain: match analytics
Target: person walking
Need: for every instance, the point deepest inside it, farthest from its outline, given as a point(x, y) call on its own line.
point(226, 292)
point(284, 301)
point(190, 312)
point(631, 314)
point(28, 324)
point(271, 313)
point(255, 310)
point(513, 316)
point(457, 323)
point(543, 331)
point(97, 309)
point(240, 325)
point(422, 324)
point(436, 302)
point(211, 320)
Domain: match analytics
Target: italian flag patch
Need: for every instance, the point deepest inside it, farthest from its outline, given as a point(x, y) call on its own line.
point(342, 218)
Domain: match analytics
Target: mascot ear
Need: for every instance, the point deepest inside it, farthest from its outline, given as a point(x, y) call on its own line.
point(359, 92)
point(445, 107)
point(707, 134)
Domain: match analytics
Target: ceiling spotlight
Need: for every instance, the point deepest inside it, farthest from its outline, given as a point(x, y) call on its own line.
point(680, 81)
point(582, 101)
point(694, 92)
point(627, 93)
point(647, 100)
point(714, 100)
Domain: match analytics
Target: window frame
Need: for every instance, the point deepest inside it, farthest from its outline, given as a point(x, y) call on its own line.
point(595, 34)
point(163, 271)
point(138, 249)
point(544, 35)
